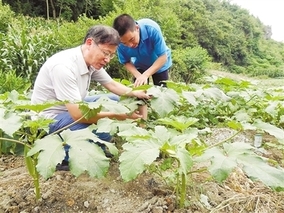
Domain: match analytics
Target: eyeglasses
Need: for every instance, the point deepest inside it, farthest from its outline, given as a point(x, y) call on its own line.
point(106, 54)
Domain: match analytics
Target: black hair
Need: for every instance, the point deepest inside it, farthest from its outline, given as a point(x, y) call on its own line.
point(123, 23)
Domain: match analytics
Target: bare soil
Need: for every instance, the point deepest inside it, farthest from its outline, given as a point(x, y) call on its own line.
point(65, 193)
point(148, 193)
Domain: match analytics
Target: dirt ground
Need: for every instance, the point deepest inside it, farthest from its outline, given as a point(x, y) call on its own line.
point(65, 193)
point(147, 194)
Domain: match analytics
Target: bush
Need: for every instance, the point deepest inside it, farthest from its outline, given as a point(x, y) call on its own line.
point(189, 64)
point(27, 45)
point(6, 16)
point(10, 81)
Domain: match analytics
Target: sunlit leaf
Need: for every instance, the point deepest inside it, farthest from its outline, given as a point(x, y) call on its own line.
point(135, 157)
point(185, 160)
point(51, 152)
point(178, 122)
point(38, 107)
point(9, 122)
point(271, 129)
point(215, 94)
point(108, 105)
point(189, 96)
point(84, 154)
point(164, 100)
point(223, 161)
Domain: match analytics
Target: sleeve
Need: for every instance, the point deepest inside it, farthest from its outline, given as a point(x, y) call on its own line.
point(101, 76)
point(65, 84)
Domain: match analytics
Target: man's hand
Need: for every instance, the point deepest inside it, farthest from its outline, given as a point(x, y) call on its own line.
point(141, 94)
point(141, 80)
point(135, 115)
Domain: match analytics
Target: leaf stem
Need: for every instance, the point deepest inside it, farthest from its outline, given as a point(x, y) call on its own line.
point(66, 127)
point(182, 191)
point(223, 141)
point(15, 141)
point(1, 135)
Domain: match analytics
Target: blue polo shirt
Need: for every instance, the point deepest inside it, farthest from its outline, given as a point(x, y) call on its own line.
point(151, 46)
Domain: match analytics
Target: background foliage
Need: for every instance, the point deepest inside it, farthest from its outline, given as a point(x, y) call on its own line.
point(200, 33)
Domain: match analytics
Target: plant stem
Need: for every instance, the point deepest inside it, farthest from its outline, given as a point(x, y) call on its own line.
point(223, 141)
point(177, 187)
point(36, 181)
point(31, 163)
point(1, 135)
point(15, 141)
point(66, 127)
point(182, 191)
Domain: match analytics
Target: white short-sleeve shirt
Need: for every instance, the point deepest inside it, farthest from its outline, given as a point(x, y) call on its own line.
point(65, 77)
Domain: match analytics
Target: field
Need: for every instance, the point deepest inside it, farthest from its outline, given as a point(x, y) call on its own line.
point(148, 193)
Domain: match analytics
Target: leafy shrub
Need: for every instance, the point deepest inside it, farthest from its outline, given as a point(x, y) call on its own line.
point(237, 69)
point(27, 46)
point(10, 81)
point(6, 15)
point(189, 64)
point(71, 34)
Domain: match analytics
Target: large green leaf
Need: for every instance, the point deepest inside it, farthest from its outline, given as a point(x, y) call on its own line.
point(271, 129)
point(178, 122)
point(9, 122)
point(51, 152)
point(189, 96)
point(180, 140)
point(144, 149)
point(163, 100)
point(136, 156)
point(108, 105)
point(84, 155)
point(215, 94)
point(133, 131)
point(161, 133)
point(223, 161)
point(38, 107)
point(258, 169)
point(113, 126)
point(221, 164)
point(185, 160)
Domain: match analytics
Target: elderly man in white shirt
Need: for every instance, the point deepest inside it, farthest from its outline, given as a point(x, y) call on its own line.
point(66, 76)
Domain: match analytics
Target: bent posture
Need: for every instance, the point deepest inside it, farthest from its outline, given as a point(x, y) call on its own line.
point(66, 76)
point(143, 50)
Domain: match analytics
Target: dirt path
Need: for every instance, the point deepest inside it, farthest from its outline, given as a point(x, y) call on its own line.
point(263, 82)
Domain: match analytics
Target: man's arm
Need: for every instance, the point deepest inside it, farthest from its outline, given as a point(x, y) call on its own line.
point(132, 69)
point(120, 89)
point(116, 88)
point(76, 114)
point(142, 79)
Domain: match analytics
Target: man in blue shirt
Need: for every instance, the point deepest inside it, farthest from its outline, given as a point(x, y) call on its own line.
point(143, 49)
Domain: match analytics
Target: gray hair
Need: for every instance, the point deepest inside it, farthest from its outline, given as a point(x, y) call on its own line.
point(102, 34)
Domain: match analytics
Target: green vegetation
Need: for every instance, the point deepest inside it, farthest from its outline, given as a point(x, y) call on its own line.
point(172, 142)
point(201, 34)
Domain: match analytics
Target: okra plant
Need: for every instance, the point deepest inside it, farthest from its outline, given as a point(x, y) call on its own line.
point(171, 142)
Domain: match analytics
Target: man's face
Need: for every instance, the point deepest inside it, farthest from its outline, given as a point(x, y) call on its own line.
point(131, 38)
point(100, 54)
